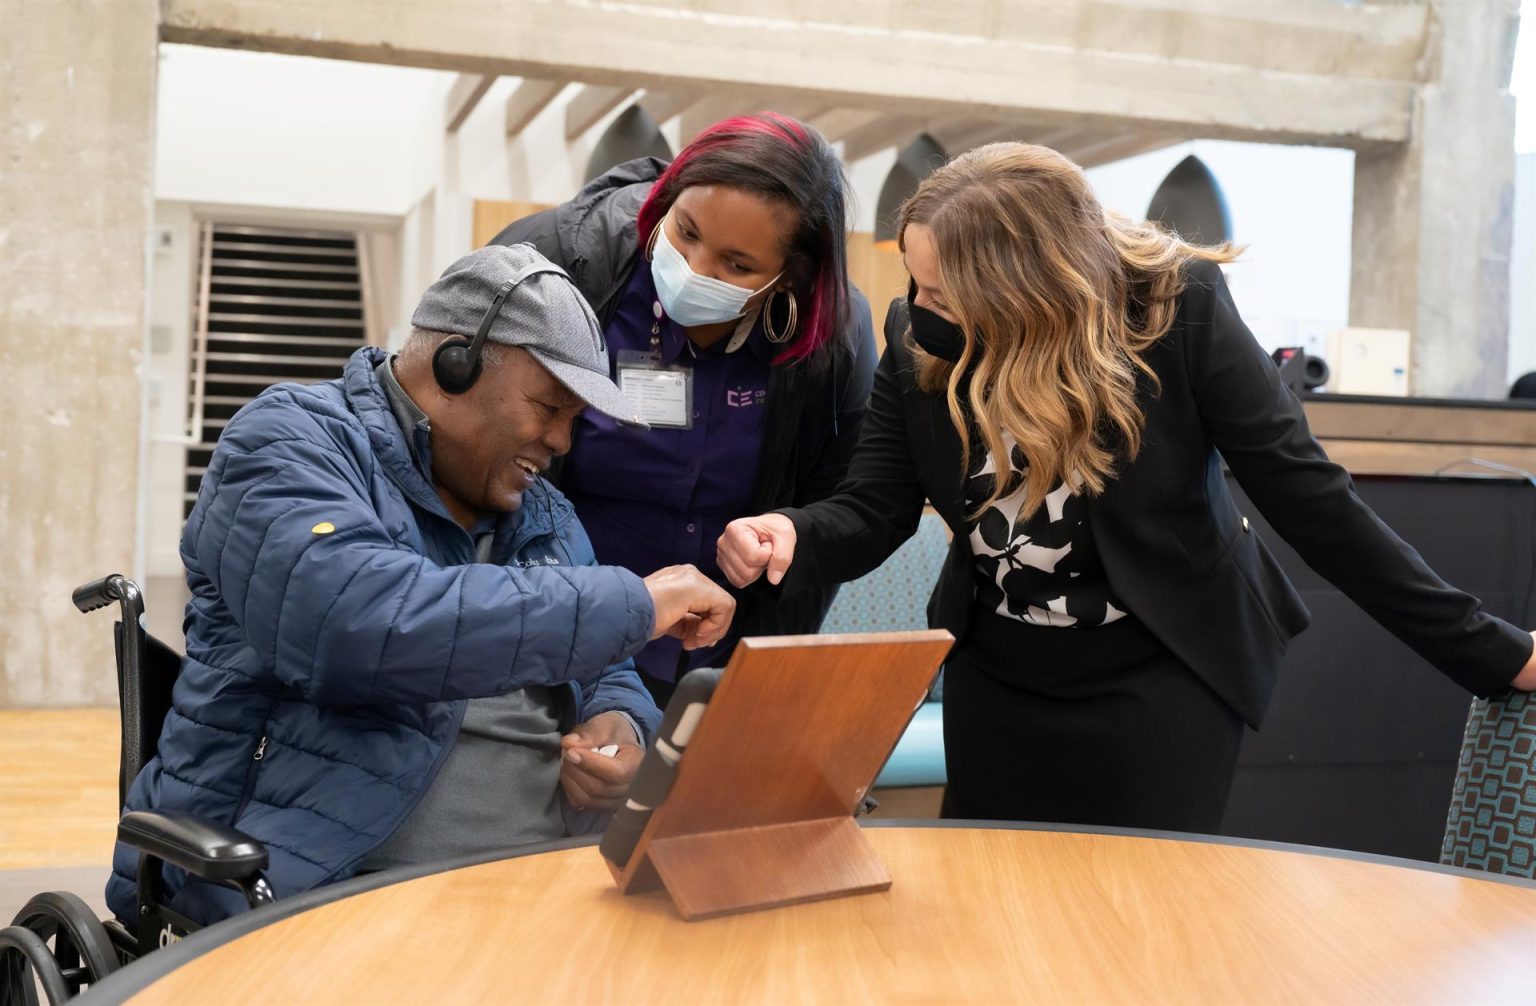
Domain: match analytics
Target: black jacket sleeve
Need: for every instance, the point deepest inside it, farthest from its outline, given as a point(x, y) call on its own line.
point(1260, 429)
point(879, 503)
point(766, 608)
point(852, 386)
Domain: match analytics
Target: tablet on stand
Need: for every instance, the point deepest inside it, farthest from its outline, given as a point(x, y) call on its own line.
point(745, 798)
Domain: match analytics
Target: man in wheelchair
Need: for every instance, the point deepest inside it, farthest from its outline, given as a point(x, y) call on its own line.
point(399, 645)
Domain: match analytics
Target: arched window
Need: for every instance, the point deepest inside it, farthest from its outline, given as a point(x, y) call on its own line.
point(1190, 202)
point(916, 161)
point(633, 133)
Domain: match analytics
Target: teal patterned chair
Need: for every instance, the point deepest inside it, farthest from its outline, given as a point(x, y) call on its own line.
point(1492, 823)
point(892, 598)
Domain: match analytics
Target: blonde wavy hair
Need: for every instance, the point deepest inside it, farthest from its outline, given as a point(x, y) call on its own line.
point(1058, 299)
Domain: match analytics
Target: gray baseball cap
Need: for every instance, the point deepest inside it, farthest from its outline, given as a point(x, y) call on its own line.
point(544, 314)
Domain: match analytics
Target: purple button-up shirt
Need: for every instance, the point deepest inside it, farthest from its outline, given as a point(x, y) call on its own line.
point(658, 497)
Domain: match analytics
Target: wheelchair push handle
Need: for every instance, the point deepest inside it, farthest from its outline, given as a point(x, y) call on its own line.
point(102, 592)
point(97, 593)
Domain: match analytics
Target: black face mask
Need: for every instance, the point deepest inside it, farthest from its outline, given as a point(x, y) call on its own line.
point(937, 336)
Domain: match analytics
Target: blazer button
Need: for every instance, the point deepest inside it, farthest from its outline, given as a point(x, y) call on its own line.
point(1245, 525)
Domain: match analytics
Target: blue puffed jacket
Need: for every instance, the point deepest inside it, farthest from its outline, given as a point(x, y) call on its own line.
point(338, 625)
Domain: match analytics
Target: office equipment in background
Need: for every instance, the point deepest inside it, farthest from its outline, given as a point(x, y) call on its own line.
point(1370, 361)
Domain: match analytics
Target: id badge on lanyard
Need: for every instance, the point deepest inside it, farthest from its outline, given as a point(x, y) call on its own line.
point(662, 393)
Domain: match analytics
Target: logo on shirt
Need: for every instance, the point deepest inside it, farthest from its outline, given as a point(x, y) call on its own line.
point(548, 560)
point(745, 398)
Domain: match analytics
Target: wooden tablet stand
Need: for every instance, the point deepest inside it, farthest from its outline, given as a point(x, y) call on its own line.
point(761, 810)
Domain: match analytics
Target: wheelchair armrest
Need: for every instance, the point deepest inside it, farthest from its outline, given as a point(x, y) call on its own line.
point(204, 848)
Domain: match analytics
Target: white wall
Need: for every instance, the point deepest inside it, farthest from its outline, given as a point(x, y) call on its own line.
point(295, 133)
point(1522, 263)
point(866, 177)
point(418, 264)
point(173, 281)
point(1522, 280)
point(172, 288)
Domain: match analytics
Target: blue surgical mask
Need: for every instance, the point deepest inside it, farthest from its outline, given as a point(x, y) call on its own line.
point(690, 299)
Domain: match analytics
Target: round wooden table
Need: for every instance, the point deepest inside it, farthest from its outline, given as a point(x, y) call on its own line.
point(976, 914)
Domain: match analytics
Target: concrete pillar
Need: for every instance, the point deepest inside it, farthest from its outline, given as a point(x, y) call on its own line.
point(1433, 217)
point(77, 99)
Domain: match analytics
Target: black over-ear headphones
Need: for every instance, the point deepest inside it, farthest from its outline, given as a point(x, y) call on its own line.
point(456, 364)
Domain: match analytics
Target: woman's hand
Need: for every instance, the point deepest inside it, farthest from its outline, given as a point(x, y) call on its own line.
point(752, 545)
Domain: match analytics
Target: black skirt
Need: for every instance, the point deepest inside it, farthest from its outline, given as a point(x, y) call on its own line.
point(1100, 726)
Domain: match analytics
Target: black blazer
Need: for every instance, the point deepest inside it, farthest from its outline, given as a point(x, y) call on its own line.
point(1175, 548)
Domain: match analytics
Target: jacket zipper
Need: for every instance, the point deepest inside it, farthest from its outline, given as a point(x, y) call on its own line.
point(250, 778)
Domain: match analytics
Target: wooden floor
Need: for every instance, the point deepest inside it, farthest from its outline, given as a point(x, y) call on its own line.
point(58, 787)
point(58, 803)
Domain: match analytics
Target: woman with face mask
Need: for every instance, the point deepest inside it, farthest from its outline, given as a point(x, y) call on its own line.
point(721, 284)
point(1058, 384)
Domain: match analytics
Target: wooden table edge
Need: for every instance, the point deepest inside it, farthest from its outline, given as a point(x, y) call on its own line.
point(127, 982)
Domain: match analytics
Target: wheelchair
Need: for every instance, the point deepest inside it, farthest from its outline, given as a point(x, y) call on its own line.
point(56, 942)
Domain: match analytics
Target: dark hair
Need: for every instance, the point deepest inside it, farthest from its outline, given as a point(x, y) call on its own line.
point(1524, 386)
point(785, 160)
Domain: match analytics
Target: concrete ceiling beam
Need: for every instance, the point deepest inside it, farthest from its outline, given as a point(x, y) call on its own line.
point(1108, 149)
point(886, 131)
point(463, 96)
point(664, 105)
point(837, 123)
point(531, 96)
point(673, 46)
point(590, 104)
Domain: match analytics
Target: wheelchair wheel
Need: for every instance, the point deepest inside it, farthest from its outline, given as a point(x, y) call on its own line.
point(81, 947)
point(25, 957)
